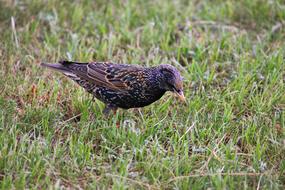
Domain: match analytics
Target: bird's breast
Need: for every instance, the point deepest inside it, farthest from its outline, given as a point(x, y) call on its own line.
point(141, 98)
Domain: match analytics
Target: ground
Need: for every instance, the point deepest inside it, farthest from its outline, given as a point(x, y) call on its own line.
point(229, 135)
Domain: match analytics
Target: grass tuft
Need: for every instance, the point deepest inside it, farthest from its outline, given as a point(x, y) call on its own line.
point(229, 135)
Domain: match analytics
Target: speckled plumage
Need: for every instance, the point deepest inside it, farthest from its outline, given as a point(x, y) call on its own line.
point(120, 85)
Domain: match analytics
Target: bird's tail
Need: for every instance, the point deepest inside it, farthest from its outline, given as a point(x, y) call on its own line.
point(66, 67)
point(57, 67)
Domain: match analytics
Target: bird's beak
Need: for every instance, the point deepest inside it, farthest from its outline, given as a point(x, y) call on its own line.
point(181, 96)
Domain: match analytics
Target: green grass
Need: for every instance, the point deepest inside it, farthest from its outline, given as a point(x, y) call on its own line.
point(229, 135)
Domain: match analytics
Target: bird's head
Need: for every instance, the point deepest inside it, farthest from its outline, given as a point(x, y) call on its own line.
point(171, 80)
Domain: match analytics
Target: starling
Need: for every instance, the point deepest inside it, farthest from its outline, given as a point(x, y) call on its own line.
point(121, 85)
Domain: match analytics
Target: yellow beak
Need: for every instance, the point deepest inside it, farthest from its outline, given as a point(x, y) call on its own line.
point(181, 96)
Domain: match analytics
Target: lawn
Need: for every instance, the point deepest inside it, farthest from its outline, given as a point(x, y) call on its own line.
point(229, 135)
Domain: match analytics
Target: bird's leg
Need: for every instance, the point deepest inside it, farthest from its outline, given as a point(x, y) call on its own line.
point(108, 108)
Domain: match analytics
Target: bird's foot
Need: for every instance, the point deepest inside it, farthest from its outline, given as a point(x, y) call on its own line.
point(108, 108)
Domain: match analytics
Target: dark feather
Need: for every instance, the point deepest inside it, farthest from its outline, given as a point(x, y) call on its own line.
point(120, 85)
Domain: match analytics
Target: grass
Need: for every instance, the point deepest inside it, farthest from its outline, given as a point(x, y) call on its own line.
point(229, 135)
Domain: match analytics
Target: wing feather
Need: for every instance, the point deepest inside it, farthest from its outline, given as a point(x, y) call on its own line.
point(111, 75)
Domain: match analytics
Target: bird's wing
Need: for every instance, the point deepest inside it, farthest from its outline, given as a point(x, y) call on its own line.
point(112, 76)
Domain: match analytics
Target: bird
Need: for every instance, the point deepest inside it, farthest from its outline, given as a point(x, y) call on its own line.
point(122, 85)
